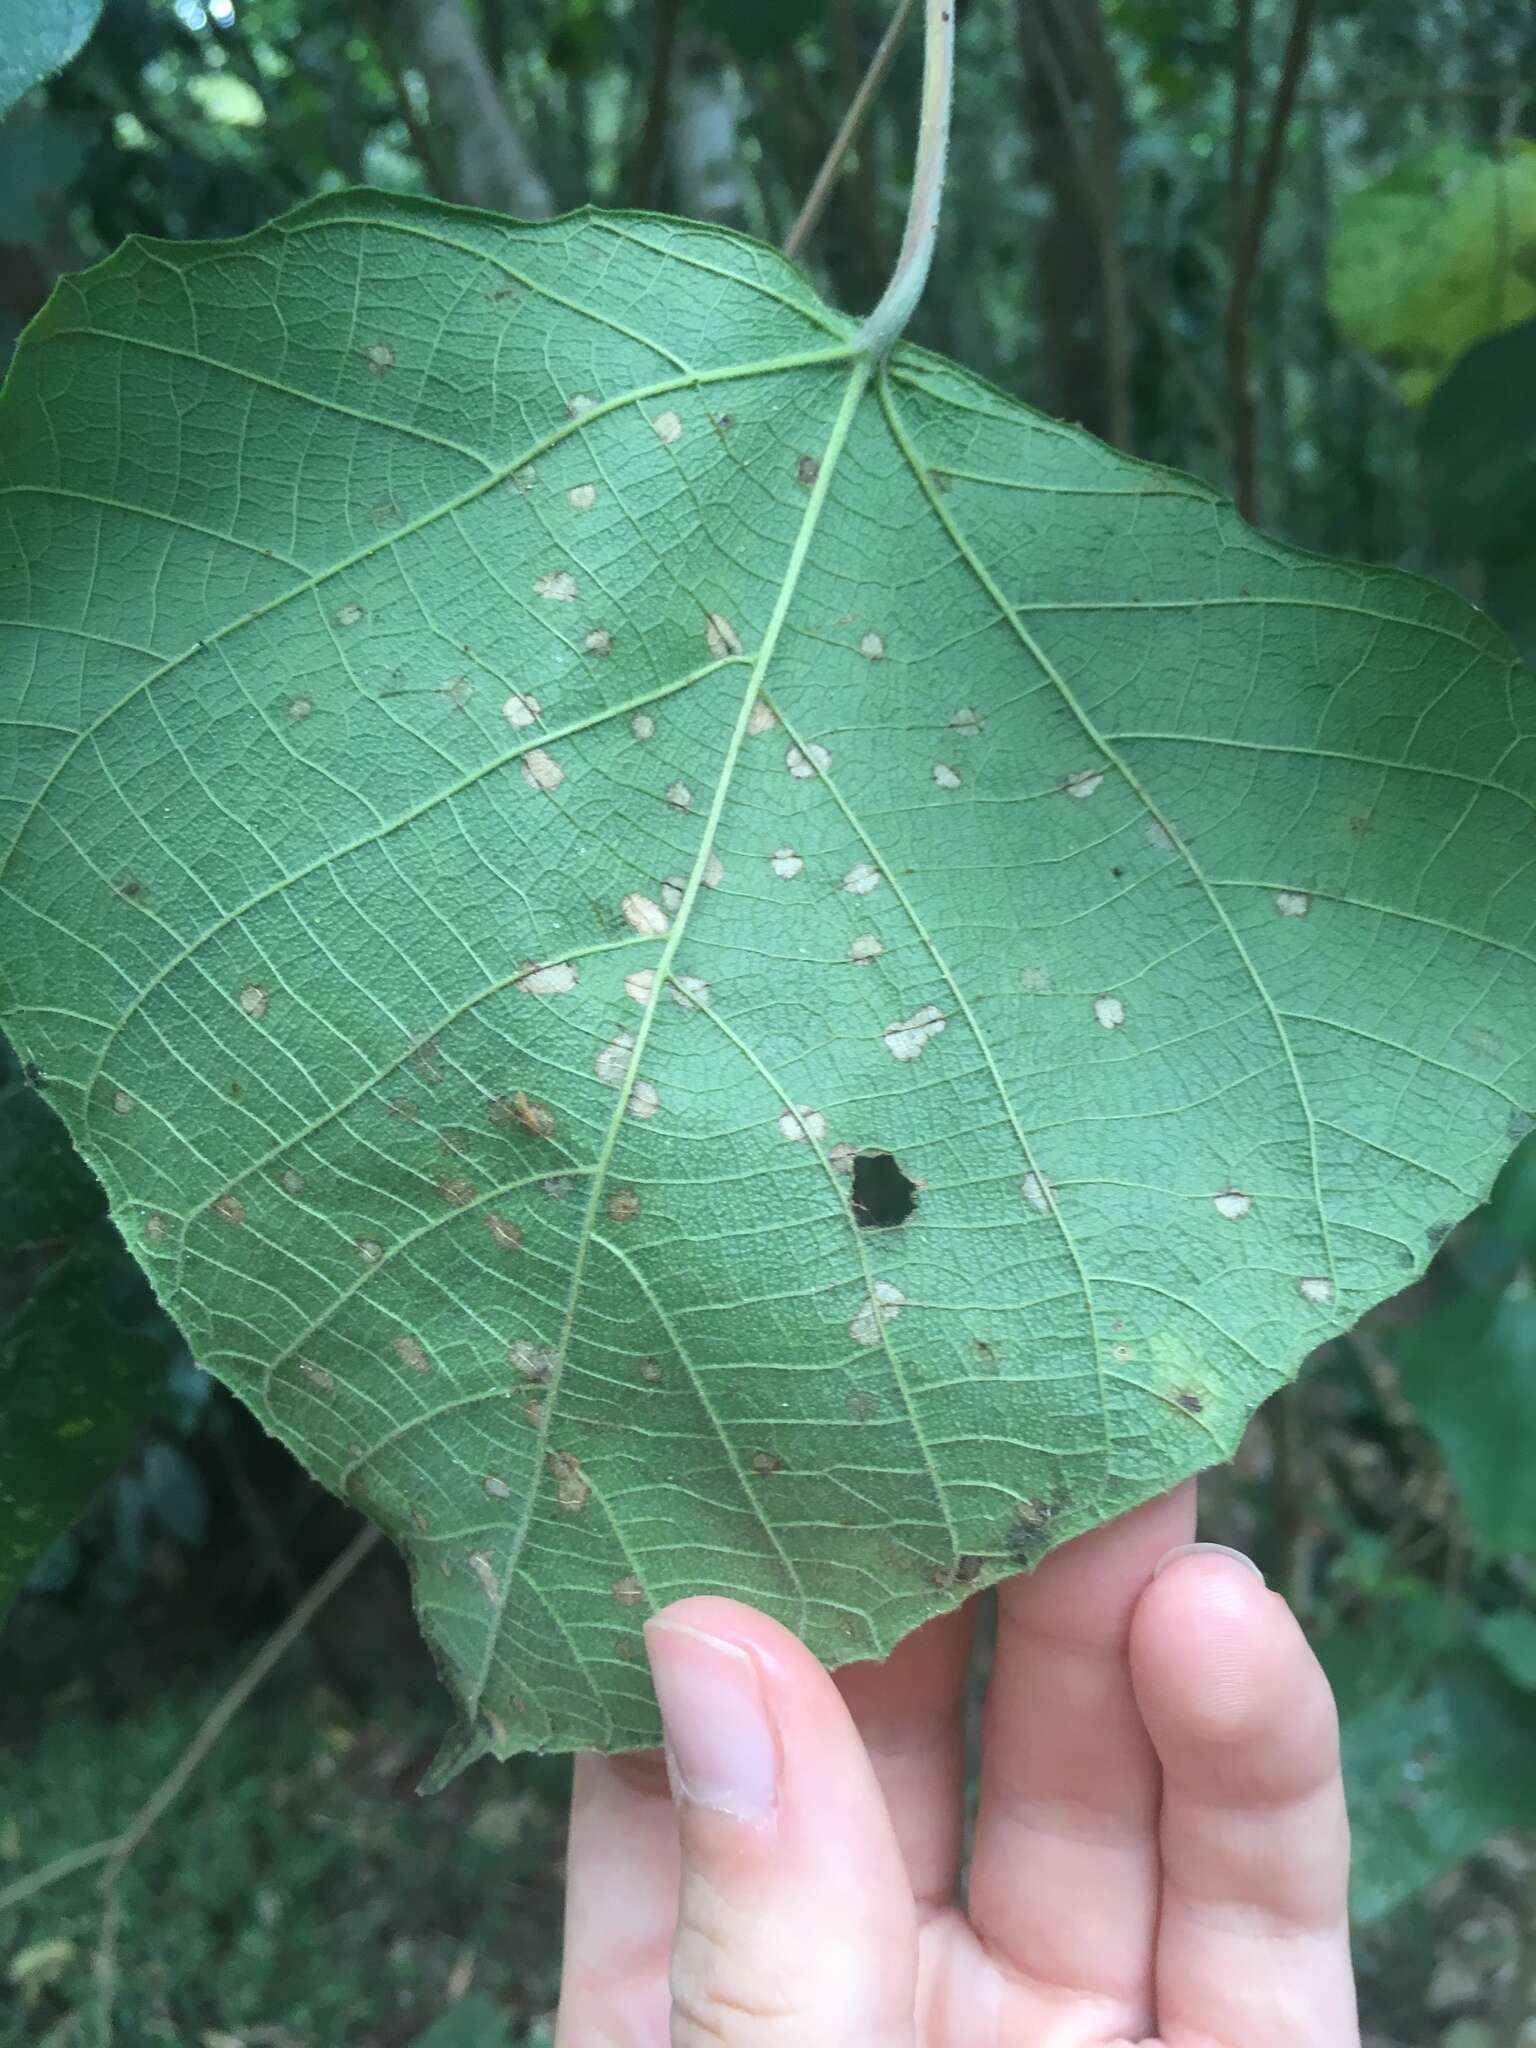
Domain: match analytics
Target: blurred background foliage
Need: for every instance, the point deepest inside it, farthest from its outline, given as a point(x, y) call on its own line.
point(1334, 316)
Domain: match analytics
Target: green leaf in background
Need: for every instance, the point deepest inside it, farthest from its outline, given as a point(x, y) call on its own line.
point(473, 2023)
point(1468, 1365)
point(1479, 441)
point(1436, 256)
point(695, 970)
point(37, 38)
point(82, 1366)
point(1439, 1754)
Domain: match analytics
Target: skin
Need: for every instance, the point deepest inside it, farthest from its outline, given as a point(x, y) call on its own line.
point(1160, 1854)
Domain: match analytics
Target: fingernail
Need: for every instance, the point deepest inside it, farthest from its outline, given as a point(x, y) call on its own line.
point(720, 1745)
point(1205, 1550)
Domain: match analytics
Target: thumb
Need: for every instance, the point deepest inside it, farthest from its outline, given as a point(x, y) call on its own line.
point(795, 1921)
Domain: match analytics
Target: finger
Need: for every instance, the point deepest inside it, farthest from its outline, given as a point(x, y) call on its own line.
point(1253, 1944)
point(622, 1873)
point(1064, 1873)
point(910, 1714)
point(795, 1923)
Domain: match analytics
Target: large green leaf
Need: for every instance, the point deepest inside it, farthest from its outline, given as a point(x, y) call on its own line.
point(37, 38)
point(532, 768)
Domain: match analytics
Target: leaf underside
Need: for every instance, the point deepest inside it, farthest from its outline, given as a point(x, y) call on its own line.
point(528, 763)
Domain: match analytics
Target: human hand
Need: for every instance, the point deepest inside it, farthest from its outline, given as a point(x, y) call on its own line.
point(1160, 1850)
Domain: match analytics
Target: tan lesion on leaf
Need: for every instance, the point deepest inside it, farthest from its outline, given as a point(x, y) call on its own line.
point(628, 1591)
point(571, 1484)
point(411, 1352)
point(231, 1208)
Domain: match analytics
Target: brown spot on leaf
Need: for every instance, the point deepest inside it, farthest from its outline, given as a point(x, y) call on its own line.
point(623, 1205)
point(766, 1462)
point(505, 1234)
point(571, 1485)
point(456, 1191)
point(231, 1208)
point(534, 1362)
point(411, 1353)
point(628, 1591)
point(807, 469)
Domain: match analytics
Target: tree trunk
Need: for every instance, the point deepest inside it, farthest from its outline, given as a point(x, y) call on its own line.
point(1074, 116)
point(484, 162)
point(706, 161)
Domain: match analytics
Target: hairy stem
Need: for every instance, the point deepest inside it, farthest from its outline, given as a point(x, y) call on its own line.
point(885, 326)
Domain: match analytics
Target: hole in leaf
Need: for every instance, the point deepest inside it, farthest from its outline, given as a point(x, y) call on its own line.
point(883, 1196)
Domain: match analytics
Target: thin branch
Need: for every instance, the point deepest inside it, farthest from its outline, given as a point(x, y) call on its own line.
point(654, 133)
point(1248, 246)
point(117, 1849)
point(858, 109)
point(885, 326)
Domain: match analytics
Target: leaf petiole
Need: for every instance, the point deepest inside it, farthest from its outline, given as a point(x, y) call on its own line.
point(887, 323)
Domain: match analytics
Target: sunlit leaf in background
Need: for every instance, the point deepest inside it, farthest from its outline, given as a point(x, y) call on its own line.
point(543, 802)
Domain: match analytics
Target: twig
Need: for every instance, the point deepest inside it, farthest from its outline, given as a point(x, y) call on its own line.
point(654, 133)
point(858, 108)
point(1248, 239)
point(116, 1849)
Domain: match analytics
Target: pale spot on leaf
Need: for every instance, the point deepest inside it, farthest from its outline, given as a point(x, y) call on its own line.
point(379, 357)
point(872, 647)
point(411, 1353)
point(639, 985)
point(1233, 1204)
point(300, 708)
point(643, 726)
point(369, 1250)
point(123, 1103)
point(945, 776)
point(713, 874)
point(535, 1363)
point(967, 723)
point(623, 1205)
point(680, 796)
point(556, 979)
point(762, 718)
point(628, 1591)
point(254, 999)
point(807, 762)
point(721, 636)
point(802, 1125)
point(668, 428)
point(579, 404)
point(292, 1183)
point(457, 1192)
point(1316, 1288)
point(1292, 903)
point(841, 1158)
point(348, 615)
point(231, 1208)
point(1034, 981)
point(598, 642)
point(542, 771)
point(523, 480)
point(864, 949)
point(521, 708)
point(644, 916)
point(582, 497)
point(1038, 1192)
point(883, 1306)
point(485, 1575)
point(317, 1376)
point(787, 864)
point(643, 1100)
point(861, 880)
point(1084, 784)
point(496, 1486)
point(688, 991)
point(556, 586)
point(154, 1227)
point(1109, 1011)
point(906, 1040)
point(673, 889)
point(612, 1062)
